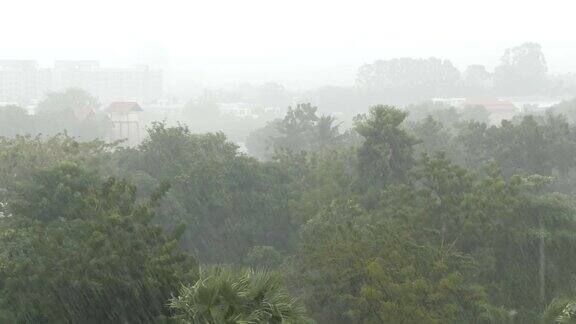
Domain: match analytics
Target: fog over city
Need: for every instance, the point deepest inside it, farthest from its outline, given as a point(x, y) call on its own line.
point(288, 162)
point(300, 43)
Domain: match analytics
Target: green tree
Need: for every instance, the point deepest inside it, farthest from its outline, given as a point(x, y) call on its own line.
point(432, 136)
point(78, 248)
point(73, 111)
point(560, 311)
point(327, 132)
point(314, 180)
point(23, 156)
point(442, 112)
point(260, 142)
point(522, 70)
point(403, 80)
point(531, 145)
point(229, 202)
point(15, 121)
point(67, 100)
point(296, 128)
point(264, 257)
point(301, 130)
point(567, 108)
point(386, 154)
point(477, 80)
point(353, 266)
point(222, 295)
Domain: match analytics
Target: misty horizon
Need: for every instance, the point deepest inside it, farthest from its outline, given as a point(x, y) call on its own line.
point(288, 162)
point(222, 42)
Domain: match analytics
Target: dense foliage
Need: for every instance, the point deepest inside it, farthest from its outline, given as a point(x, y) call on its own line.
point(424, 215)
point(222, 295)
point(78, 248)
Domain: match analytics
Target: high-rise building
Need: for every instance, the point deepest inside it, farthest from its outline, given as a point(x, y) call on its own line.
point(138, 83)
point(23, 82)
point(18, 81)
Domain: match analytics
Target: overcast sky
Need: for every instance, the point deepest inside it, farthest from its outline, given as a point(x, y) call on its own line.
point(299, 42)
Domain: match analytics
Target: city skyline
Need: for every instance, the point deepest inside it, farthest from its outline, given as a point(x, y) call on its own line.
point(221, 42)
point(25, 82)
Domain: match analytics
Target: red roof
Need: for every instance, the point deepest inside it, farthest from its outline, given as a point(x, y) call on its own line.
point(492, 105)
point(123, 107)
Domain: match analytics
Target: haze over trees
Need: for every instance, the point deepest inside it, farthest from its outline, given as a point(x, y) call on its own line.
point(522, 71)
point(73, 111)
point(406, 78)
point(364, 204)
point(423, 215)
point(287, 162)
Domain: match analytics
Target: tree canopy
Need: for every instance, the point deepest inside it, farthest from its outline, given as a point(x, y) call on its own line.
point(417, 215)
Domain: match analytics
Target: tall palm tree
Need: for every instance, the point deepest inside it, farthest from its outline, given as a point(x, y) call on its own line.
point(225, 296)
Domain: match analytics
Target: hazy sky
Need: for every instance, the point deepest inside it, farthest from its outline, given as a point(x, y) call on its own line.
point(299, 42)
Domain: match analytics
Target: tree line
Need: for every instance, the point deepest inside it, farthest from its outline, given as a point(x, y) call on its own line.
point(522, 71)
point(403, 218)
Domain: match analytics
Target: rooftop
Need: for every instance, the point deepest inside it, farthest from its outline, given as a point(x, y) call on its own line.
point(123, 107)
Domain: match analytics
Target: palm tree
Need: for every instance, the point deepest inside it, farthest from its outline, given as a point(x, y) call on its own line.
point(225, 296)
point(560, 310)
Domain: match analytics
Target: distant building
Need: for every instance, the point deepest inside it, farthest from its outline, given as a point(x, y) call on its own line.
point(138, 83)
point(125, 118)
point(499, 109)
point(454, 102)
point(22, 82)
point(529, 105)
point(18, 81)
point(236, 109)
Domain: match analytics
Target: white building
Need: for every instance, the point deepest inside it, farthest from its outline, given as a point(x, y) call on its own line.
point(125, 118)
point(137, 83)
point(23, 82)
point(18, 81)
point(236, 109)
